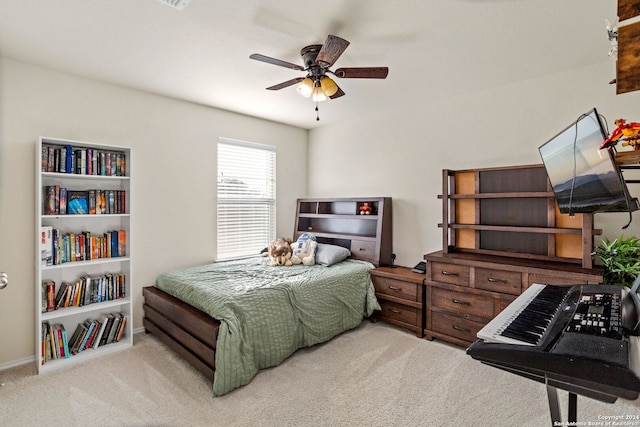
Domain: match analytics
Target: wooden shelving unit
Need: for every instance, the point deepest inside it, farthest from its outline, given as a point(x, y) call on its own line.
point(501, 233)
point(511, 211)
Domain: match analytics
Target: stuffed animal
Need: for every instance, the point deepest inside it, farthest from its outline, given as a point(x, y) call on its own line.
point(304, 250)
point(365, 209)
point(280, 252)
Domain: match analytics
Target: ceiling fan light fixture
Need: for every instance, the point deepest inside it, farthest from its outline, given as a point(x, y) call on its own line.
point(318, 94)
point(329, 87)
point(305, 88)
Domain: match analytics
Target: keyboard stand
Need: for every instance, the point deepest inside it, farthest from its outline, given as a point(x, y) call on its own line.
point(554, 407)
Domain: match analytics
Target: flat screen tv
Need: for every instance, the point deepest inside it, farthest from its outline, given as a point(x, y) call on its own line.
point(584, 178)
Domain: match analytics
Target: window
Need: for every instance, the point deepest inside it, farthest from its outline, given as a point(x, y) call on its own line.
point(246, 198)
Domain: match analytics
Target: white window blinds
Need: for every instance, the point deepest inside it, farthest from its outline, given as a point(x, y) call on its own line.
point(246, 198)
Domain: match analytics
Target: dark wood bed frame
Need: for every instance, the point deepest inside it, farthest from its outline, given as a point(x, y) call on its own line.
point(186, 330)
point(193, 334)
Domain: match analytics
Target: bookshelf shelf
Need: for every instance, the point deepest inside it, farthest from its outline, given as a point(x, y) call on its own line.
point(70, 311)
point(83, 264)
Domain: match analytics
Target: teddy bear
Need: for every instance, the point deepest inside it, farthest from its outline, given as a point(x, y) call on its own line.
point(304, 250)
point(280, 252)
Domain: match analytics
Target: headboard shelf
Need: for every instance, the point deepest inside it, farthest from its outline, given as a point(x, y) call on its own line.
point(363, 225)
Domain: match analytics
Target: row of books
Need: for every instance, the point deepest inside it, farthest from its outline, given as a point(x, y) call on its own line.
point(83, 161)
point(62, 201)
point(86, 290)
point(57, 247)
point(91, 333)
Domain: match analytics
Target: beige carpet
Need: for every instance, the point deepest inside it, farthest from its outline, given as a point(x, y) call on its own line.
point(375, 375)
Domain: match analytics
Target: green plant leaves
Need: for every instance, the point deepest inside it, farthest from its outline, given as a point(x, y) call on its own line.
point(620, 259)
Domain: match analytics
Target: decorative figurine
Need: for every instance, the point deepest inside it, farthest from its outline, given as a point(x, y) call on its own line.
point(628, 133)
point(365, 209)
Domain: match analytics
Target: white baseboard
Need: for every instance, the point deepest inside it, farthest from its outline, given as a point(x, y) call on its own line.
point(16, 363)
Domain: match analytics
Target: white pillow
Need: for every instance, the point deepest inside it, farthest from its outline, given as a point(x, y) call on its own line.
point(330, 254)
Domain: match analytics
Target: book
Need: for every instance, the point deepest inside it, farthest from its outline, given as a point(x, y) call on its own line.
point(43, 340)
point(60, 295)
point(51, 297)
point(107, 329)
point(114, 243)
point(92, 202)
point(44, 158)
point(55, 251)
point(69, 159)
point(117, 318)
point(54, 344)
point(65, 342)
point(77, 203)
point(63, 201)
point(122, 242)
point(68, 294)
point(90, 324)
point(79, 337)
point(89, 342)
point(49, 207)
point(121, 329)
point(46, 245)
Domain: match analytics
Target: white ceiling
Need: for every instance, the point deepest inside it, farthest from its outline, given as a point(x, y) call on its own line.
point(433, 48)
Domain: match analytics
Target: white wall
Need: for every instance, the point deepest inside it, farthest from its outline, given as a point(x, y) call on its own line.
point(174, 172)
point(402, 155)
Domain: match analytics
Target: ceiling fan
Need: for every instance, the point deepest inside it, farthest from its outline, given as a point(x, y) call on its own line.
point(318, 58)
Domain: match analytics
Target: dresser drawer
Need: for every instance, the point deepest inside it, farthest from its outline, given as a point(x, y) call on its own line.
point(508, 282)
point(461, 302)
point(396, 288)
point(449, 273)
point(400, 312)
point(363, 249)
point(456, 326)
point(505, 300)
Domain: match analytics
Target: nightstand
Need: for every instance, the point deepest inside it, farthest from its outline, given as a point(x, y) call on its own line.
point(400, 293)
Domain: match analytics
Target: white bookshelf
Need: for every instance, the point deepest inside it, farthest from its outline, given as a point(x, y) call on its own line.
point(97, 225)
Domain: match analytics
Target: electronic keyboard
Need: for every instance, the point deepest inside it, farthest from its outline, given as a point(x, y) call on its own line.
point(581, 338)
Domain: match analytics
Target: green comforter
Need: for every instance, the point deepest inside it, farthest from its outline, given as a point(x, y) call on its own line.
point(266, 313)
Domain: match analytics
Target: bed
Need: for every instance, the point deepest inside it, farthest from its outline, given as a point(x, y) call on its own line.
point(231, 319)
point(245, 315)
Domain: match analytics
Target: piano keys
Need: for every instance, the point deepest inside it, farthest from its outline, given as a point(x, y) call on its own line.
point(525, 321)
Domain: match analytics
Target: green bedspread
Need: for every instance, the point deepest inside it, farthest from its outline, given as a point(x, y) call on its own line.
point(266, 313)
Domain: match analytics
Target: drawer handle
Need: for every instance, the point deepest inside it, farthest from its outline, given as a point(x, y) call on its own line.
point(394, 288)
point(494, 280)
point(362, 249)
point(394, 310)
point(457, 301)
point(458, 328)
point(449, 273)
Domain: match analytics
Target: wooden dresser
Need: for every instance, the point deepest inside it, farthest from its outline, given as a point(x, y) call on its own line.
point(501, 232)
point(465, 291)
point(400, 293)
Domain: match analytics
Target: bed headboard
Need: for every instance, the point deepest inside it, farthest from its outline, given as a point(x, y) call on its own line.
point(363, 225)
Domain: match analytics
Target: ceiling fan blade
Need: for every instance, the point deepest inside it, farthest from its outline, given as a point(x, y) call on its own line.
point(362, 73)
point(331, 51)
point(338, 94)
point(286, 84)
point(278, 62)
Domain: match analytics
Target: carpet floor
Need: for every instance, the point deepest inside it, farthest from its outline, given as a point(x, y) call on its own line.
point(374, 375)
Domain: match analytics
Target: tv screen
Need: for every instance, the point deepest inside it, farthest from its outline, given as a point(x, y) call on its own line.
point(583, 177)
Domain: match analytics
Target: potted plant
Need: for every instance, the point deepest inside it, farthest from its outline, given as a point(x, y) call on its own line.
point(620, 259)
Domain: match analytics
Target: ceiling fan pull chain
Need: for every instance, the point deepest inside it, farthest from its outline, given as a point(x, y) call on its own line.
point(317, 113)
